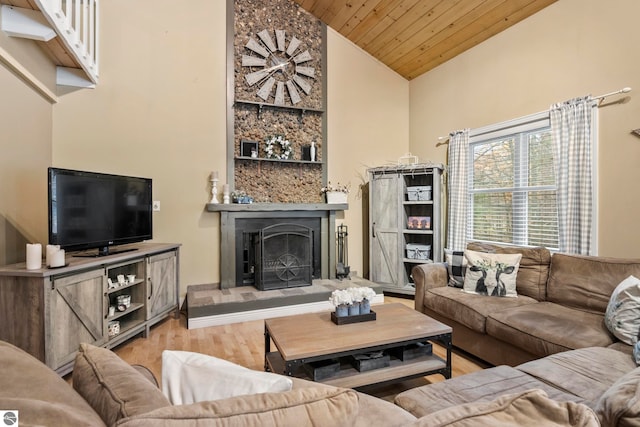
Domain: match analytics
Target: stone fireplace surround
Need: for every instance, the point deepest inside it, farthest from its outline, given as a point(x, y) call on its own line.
point(232, 215)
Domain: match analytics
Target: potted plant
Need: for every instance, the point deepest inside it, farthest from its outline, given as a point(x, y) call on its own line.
point(335, 193)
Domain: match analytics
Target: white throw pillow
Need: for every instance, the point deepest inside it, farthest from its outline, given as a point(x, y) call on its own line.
point(193, 377)
point(491, 274)
point(623, 311)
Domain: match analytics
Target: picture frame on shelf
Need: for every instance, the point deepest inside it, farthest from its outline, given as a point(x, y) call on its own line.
point(249, 148)
point(305, 152)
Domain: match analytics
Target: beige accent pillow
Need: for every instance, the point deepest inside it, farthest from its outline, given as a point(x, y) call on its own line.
point(41, 396)
point(620, 404)
point(194, 377)
point(491, 274)
point(309, 406)
point(112, 387)
point(623, 311)
point(530, 408)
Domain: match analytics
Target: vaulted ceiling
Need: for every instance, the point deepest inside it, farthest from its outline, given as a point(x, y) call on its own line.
point(415, 36)
point(409, 36)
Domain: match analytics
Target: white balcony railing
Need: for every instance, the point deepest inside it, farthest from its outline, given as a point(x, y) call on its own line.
point(76, 23)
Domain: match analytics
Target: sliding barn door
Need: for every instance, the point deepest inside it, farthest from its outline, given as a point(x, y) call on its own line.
point(77, 315)
point(384, 236)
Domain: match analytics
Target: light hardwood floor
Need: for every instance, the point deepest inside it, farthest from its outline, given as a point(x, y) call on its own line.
point(243, 343)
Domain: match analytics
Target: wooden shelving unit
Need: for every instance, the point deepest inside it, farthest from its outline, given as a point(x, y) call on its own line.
point(390, 209)
point(52, 311)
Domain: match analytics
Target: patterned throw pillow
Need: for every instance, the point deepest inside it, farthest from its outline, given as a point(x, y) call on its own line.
point(456, 266)
point(491, 274)
point(622, 318)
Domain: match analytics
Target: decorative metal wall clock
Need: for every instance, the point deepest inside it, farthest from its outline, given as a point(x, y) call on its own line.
point(283, 63)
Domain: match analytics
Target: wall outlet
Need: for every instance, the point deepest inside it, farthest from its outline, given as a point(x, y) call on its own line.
point(156, 205)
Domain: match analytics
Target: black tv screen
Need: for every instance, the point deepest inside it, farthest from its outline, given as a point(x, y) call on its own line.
point(96, 210)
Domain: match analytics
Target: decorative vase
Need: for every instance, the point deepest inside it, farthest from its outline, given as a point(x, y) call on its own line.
point(354, 309)
point(365, 306)
point(342, 310)
point(336, 197)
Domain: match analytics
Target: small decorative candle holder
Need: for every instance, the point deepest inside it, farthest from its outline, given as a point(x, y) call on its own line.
point(214, 188)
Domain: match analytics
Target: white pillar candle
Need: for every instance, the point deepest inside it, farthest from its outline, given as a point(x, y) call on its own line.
point(50, 250)
point(34, 256)
point(57, 258)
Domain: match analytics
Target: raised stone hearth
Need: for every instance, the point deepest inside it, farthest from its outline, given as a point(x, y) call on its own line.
point(208, 305)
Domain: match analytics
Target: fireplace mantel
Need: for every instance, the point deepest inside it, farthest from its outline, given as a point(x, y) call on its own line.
point(230, 212)
point(270, 207)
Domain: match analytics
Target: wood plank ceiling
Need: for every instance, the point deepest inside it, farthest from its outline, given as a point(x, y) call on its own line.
point(409, 36)
point(414, 36)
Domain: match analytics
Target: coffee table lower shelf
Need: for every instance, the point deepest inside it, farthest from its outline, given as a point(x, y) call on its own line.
point(350, 377)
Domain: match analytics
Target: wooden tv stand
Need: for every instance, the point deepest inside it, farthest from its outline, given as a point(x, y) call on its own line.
point(49, 312)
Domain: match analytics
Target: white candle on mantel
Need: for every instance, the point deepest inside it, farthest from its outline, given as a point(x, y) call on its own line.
point(225, 188)
point(50, 250)
point(34, 256)
point(214, 175)
point(57, 258)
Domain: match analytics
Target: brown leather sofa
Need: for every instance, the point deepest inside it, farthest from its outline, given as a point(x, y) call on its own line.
point(603, 379)
point(107, 391)
point(579, 388)
point(560, 305)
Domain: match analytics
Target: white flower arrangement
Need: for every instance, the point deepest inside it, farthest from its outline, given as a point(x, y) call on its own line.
point(284, 151)
point(336, 188)
point(340, 297)
point(351, 295)
point(368, 293)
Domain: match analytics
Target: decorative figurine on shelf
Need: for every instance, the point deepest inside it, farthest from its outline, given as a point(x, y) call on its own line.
point(214, 187)
point(313, 151)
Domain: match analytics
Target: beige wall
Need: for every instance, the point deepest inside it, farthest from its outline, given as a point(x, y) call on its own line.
point(159, 112)
point(368, 115)
point(571, 48)
point(25, 143)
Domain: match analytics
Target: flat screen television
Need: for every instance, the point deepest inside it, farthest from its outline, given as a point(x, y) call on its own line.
point(89, 210)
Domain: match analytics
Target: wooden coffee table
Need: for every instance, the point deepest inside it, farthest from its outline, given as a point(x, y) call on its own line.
point(313, 337)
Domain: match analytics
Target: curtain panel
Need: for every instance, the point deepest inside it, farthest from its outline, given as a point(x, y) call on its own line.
point(571, 126)
point(458, 190)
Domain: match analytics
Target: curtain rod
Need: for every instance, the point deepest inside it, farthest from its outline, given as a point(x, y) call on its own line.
point(442, 140)
point(606, 95)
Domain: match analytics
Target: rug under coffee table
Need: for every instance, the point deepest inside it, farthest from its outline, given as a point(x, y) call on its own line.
point(313, 338)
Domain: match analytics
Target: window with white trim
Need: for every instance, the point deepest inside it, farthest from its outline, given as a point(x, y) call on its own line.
point(512, 190)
